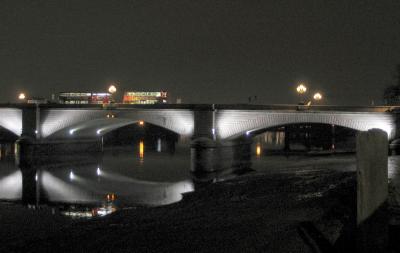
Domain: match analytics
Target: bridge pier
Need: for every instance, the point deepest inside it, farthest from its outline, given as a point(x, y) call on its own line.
point(394, 147)
point(208, 156)
point(30, 186)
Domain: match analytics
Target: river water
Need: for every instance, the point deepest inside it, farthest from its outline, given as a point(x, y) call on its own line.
point(88, 185)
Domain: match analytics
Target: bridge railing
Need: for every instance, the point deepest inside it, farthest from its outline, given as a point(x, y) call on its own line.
point(283, 107)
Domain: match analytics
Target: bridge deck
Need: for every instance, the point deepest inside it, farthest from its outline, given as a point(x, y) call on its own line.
point(278, 107)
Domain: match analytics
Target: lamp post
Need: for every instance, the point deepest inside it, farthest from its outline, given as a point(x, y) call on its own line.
point(301, 89)
point(317, 96)
point(112, 89)
point(22, 96)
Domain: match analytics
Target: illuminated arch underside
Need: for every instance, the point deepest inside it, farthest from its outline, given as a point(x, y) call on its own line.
point(234, 123)
point(11, 119)
point(58, 124)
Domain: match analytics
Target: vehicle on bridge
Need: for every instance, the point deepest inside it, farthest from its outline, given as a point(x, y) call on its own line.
point(145, 97)
point(84, 98)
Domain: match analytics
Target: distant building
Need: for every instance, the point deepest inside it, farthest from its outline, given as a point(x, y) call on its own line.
point(145, 97)
point(84, 98)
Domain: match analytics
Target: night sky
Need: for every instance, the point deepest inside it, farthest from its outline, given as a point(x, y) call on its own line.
point(204, 51)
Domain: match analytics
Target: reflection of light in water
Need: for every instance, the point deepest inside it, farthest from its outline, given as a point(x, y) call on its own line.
point(111, 197)
point(58, 189)
point(11, 186)
point(141, 150)
point(132, 190)
point(113, 185)
point(159, 145)
point(16, 148)
point(83, 212)
point(258, 150)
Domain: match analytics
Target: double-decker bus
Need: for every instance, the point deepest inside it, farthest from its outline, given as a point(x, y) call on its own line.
point(84, 98)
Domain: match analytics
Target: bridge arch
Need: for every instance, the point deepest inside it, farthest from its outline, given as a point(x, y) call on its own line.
point(66, 124)
point(232, 124)
point(11, 120)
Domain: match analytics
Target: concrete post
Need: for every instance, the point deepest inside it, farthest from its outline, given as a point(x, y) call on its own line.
point(372, 172)
point(372, 191)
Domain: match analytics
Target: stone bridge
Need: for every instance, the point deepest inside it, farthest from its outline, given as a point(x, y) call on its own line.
point(218, 122)
point(213, 124)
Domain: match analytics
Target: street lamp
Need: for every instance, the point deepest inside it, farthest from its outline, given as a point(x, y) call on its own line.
point(317, 96)
point(112, 89)
point(21, 96)
point(301, 89)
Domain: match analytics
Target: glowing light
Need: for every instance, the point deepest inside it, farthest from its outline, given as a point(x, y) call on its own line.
point(36, 177)
point(98, 171)
point(111, 197)
point(71, 175)
point(98, 131)
point(248, 133)
point(36, 131)
point(258, 150)
point(21, 96)
point(141, 123)
point(213, 131)
point(11, 186)
point(301, 88)
point(159, 145)
point(141, 150)
point(11, 119)
point(317, 96)
point(71, 132)
point(112, 89)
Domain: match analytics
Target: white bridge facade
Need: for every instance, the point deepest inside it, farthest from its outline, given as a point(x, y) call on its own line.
point(47, 122)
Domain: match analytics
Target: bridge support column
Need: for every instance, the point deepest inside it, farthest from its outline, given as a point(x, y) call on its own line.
point(394, 145)
point(30, 186)
point(208, 156)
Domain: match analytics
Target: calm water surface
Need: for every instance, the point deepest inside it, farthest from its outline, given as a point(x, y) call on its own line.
point(122, 177)
point(88, 185)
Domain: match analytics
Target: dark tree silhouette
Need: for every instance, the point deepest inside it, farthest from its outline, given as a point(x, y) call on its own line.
point(391, 95)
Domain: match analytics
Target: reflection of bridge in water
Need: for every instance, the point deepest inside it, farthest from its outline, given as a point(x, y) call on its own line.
point(215, 131)
point(87, 185)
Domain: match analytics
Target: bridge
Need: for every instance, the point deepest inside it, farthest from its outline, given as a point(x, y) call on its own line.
point(207, 124)
point(48, 122)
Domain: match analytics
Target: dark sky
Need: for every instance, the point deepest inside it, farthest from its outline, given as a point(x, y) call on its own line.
point(219, 51)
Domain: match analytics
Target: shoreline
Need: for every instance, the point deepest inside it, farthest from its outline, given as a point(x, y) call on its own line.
point(254, 212)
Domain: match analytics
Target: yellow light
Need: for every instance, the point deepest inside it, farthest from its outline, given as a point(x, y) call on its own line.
point(317, 96)
point(112, 89)
point(141, 149)
point(141, 122)
point(21, 96)
point(301, 88)
point(258, 150)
